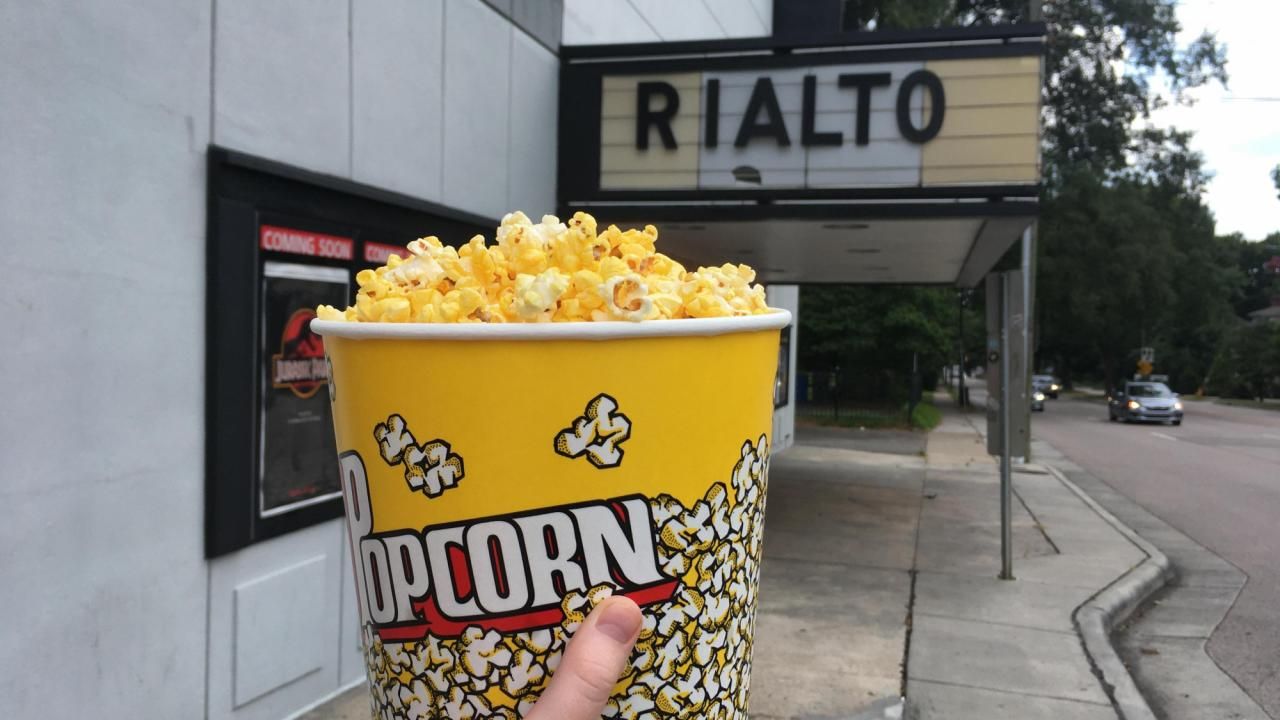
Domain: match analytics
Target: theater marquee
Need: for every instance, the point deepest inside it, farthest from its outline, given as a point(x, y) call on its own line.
point(825, 119)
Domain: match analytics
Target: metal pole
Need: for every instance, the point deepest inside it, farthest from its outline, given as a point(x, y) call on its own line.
point(960, 386)
point(915, 389)
point(1028, 326)
point(1006, 474)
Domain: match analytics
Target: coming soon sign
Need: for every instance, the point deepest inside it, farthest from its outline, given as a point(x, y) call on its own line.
point(926, 123)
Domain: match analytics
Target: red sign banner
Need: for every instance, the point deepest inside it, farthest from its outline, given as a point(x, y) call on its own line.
point(305, 242)
point(375, 252)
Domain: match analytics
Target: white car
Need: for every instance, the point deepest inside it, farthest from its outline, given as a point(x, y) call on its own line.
point(1145, 402)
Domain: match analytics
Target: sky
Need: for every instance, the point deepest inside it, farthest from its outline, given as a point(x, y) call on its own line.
point(1237, 129)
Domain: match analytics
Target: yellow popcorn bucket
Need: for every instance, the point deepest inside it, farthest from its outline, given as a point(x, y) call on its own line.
point(500, 480)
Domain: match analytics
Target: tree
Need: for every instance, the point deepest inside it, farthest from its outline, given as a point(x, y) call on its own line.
point(1275, 178)
point(1101, 57)
point(1128, 256)
point(870, 334)
point(1248, 365)
point(1257, 272)
point(1127, 251)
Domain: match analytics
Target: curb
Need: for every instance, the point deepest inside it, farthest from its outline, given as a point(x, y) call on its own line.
point(1111, 606)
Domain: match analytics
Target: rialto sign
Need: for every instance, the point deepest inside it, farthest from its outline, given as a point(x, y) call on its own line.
point(951, 121)
point(762, 118)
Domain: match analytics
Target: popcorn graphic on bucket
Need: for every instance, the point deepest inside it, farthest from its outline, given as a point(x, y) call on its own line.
point(503, 472)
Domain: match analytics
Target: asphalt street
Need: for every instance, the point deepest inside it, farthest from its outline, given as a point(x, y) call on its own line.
point(1217, 479)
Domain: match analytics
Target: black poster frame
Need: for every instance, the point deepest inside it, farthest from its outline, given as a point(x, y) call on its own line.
point(244, 193)
point(782, 379)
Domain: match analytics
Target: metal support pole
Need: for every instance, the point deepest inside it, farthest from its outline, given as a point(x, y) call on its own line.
point(1006, 469)
point(1028, 324)
point(960, 385)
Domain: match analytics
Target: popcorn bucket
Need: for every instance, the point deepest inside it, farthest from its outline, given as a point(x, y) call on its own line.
point(500, 480)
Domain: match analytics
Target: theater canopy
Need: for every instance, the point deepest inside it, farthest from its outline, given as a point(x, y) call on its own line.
point(866, 158)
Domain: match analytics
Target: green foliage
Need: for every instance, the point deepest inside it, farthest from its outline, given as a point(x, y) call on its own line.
point(1128, 256)
point(1275, 178)
point(870, 334)
point(926, 416)
point(1257, 285)
point(1248, 365)
point(1101, 57)
point(1127, 264)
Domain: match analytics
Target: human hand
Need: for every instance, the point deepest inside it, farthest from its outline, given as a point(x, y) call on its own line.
point(592, 663)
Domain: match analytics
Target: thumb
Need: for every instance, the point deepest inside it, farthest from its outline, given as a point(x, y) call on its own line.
point(592, 663)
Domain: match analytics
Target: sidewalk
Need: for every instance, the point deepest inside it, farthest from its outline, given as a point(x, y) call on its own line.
point(880, 577)
point(984, 647)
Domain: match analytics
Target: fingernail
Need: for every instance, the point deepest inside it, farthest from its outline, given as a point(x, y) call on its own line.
point(619, 619)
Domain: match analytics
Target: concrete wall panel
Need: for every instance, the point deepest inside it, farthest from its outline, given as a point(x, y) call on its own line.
point(595, 22)
point(542, 19)
point(398, 82)
point(274, 624)
point(102, 139)
point(282, 81)
point(350, 650)
point(278, 628)
point(535, 84)
point(477, 88)
point(680, 19)
point(742, 19)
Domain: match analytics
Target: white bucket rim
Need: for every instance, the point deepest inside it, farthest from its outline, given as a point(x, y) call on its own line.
point(776, 319)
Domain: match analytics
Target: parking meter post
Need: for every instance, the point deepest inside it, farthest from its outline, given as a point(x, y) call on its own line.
point(962, 398)
point(1006, 474)
point(833, 385)
point(914, 398)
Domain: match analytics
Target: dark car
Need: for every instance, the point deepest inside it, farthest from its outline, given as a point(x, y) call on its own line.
point(1145, 402)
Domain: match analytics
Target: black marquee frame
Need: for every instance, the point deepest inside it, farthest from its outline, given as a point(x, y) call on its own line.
point(582, 68)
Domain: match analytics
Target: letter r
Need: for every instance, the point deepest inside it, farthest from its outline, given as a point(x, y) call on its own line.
point(544, 562)
point(647, 117)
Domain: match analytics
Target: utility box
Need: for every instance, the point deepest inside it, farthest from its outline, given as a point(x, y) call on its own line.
point(1019, 380)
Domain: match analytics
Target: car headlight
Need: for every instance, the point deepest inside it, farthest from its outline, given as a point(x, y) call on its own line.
point(1134, 405)
point(1055, 387)
point(1038, 396)
point(1177, 405)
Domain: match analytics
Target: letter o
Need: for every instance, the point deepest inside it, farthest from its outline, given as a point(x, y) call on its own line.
point(937, 106)
point(485, 566)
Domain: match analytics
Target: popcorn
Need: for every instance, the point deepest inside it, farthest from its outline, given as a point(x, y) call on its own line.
point(596, 434)
point(536, 296)
point(691, 657)
point(550, 271)
point(626, 297)
point(431, 468)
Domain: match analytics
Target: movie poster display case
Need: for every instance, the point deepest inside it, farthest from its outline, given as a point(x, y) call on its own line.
point(281, 241)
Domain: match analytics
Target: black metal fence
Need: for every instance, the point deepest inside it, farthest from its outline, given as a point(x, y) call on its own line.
point(849, 398)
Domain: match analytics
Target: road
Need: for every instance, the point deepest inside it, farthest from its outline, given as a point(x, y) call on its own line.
point(1217, 479)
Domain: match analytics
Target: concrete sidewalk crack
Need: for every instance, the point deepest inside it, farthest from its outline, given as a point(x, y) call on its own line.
point(1035, 518)
point(997, 623)
point(915, 572)
point(1012, 692)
